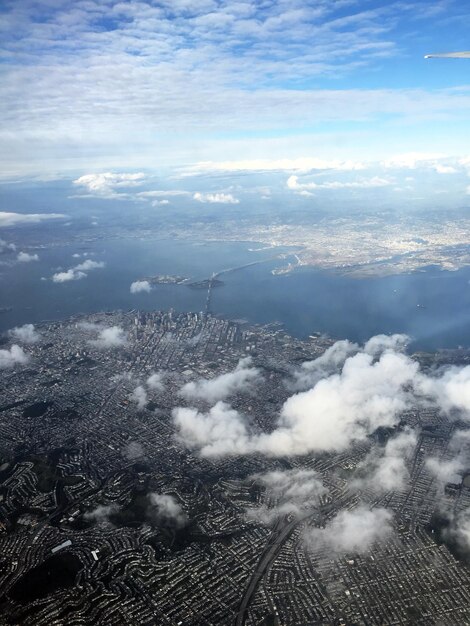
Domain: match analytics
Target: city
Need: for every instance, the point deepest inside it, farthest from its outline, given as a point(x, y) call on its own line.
point(106, 515)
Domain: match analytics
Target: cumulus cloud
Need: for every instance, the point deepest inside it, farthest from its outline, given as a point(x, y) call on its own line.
point(133, 451)
point(290, 492)
point(25, 257)
point(343, 407)
point(112, 337)
point(220, 431)
point(6, 247)
point(89, 265)
point(328, 363)
point(380, 343)
point(353, 531)
point(167, 509)
point(215, 198)
point(139, 396)
point(353, 392)
point(106, 183)
point(14, 356)
point(445, 470)
point(101, 513)
point(26, 333)
point(386, 470)
point(68, 275)
point(362, 389)
point(155, 381)
point(15, 219)
point(450, 389)
point(334, 357)
point(459, 530)
point(139, 286)
point(78, 272)
point(240, 380)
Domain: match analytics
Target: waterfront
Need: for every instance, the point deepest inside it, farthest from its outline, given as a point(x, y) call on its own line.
point(432, 306)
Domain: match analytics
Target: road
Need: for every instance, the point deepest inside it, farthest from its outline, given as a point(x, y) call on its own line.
point(279, 535)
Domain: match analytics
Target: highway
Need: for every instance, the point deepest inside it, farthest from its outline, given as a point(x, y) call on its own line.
point(275, 542)
point(272, 549)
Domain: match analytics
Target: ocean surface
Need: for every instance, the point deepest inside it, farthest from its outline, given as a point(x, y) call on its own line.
point(432, 306)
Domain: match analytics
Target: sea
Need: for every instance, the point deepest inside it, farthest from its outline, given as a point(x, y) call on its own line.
point(432, 306)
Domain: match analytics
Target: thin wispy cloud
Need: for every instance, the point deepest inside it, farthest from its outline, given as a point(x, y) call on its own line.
point(15, 219)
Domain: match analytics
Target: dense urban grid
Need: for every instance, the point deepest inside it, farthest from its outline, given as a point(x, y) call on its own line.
point(107, 516)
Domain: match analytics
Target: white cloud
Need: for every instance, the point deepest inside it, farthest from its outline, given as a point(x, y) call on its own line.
point(106, 183)
point(139, 396)
point(140, 285)
point(89, 265)
point(444, 169)
point(240, 380)
point(14, 219)
point(221, 431)
point(450, 389)
point(290, 492)
point(167, 509)
point(354, 391)
point(155, 381)
point(78, 272)
point(24, 257)
point(112, 337)
point(25, 334)
point(353, 531)
point(168, 193)
point(460, 529)
point(301, 164)
point(328, 363)
point(15, 355)
point(101, 513)
point(345, 407)
point(133, 451)
point(247, 66)
point(386, 470)
point(381, 343)
point(444, 470)
point(215, 198)
point(68, 275)
point(370, 183)
point(412, 160)
point(6, 247)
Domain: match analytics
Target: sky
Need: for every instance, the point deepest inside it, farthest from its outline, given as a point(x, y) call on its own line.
point(197, 87)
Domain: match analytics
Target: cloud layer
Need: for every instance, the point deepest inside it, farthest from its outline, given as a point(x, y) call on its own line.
point(371, 388)
point(124, 72)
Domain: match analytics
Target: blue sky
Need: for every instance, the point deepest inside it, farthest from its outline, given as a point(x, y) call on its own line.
point(104, 86)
